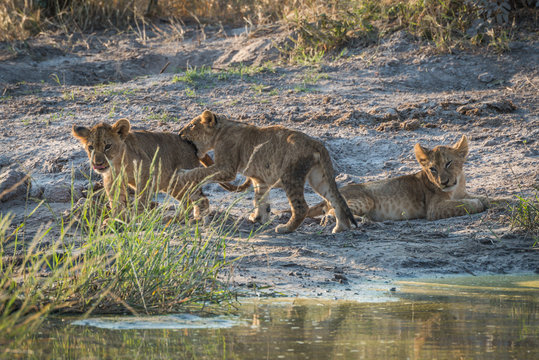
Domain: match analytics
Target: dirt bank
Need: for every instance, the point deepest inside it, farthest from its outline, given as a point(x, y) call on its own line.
point(369, 106)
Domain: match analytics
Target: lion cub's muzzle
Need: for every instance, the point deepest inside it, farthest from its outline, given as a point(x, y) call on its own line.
point(446, 186)
point(100, 163)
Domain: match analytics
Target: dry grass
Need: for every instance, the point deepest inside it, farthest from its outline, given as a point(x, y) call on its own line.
point(319, 26)
point(329, 22)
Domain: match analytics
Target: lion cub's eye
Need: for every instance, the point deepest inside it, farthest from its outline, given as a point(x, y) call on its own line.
point(107, 147)
point(448, 164)
point(433, 170)
point(90, 147)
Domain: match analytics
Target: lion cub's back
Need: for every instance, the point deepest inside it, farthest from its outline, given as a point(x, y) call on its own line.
point(275, 149)
point(173, 151)
point(399, 198)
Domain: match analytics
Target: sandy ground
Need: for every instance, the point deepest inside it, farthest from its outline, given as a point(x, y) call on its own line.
point(369, 107)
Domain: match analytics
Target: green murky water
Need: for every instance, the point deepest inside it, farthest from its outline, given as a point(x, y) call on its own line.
point(493, 317)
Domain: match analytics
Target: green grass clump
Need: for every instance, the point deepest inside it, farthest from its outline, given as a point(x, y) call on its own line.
point(126, 259)
point(193, 75)
point(525, 216)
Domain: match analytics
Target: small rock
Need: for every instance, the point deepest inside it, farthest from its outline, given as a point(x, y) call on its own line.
point(485, 77)
point(410, 125)
point(393, 62)
point(385, 113)
point(13, 184)
point(388, 126)
point(340, 278)
point(491, 142)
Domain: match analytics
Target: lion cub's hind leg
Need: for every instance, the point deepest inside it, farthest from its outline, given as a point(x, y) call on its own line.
point(293, 183)
point(361, 206)
point(320, 184)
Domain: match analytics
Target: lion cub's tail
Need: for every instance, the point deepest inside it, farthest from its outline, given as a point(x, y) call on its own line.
point(208, 161)
point(329, 173)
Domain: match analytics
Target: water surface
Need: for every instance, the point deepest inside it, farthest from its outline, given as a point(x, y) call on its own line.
point(493, 317)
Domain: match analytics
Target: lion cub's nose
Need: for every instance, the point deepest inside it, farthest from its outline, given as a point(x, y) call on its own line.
point(445, 182)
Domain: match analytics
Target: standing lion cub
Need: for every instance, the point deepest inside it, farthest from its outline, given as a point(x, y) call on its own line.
point(111, 147)
point(271, 156)
point(438, 191)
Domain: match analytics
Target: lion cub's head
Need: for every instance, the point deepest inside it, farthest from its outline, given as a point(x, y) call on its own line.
point(443, 164)
point(201, 131)
point(103, 143)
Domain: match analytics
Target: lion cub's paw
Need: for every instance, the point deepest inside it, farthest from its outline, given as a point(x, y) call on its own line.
point(339, 228)
point(282, 229)
point(328, 219)
point(478, 204)
point(261, 217)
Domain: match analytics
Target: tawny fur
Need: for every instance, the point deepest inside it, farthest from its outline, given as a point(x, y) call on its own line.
point(111, 147)
point(270, 157)
point(438, 191)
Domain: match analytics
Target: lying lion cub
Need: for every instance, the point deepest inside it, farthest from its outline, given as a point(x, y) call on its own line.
point(116, 146)
point(270, 157)
point(438, 191)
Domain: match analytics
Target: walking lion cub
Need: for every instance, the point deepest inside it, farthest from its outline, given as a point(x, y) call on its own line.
point(270, 156)
point(438, 191)
point(110, 148)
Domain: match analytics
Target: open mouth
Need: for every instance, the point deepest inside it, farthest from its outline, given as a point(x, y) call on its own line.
point(100, 168)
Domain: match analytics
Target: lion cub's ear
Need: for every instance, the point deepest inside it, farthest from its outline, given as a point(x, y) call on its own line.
point(122, 127)
point(421, 154)
point(462, 146)
point(208, 118)
point(80, 132)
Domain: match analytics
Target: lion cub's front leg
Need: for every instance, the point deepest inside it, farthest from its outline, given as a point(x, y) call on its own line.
point(441, 209)
point(261, 202)
point(188, 191)
point(117, 195)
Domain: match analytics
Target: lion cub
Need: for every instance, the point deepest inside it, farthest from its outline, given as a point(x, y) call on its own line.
point(116, 146)
point(270, 157)
point(438, 191)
